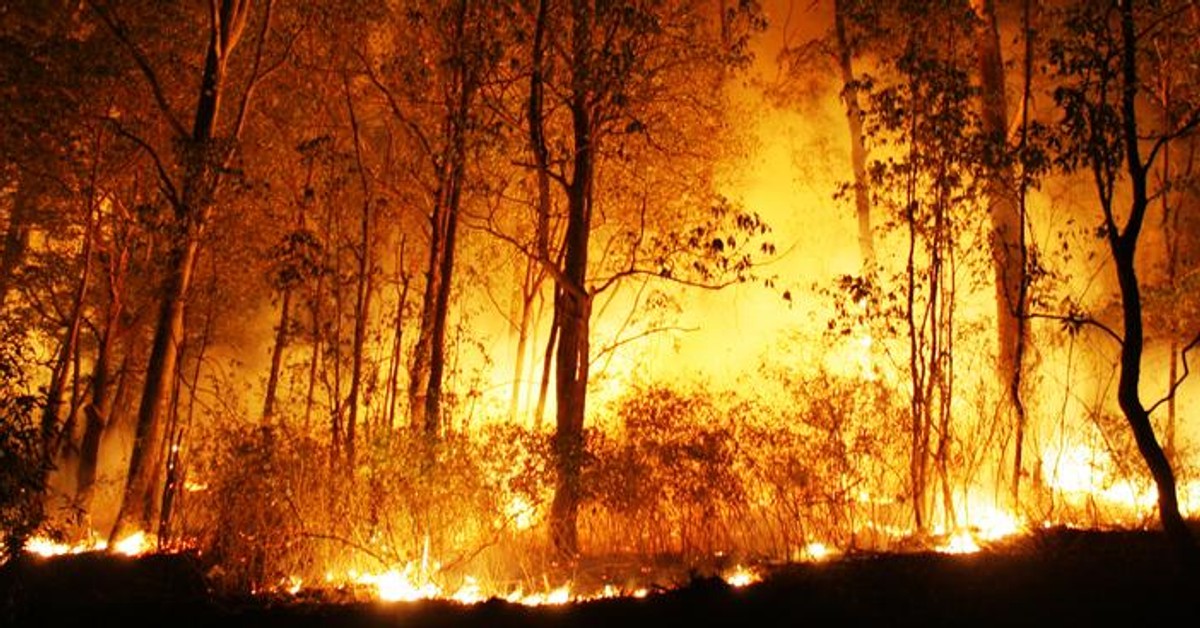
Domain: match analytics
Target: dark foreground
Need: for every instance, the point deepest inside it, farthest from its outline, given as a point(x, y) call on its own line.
point(1061, 577)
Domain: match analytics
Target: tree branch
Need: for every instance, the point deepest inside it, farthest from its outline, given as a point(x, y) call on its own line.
point(163, 178)
point(1178, 382)
point(256, 75)
point(143, 64)
point(1078, 321)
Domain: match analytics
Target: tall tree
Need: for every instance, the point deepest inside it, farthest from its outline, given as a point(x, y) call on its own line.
point(858, 147)
point(1100, 62)
point(191, 188)
point(1007, 225)
point(611, 80)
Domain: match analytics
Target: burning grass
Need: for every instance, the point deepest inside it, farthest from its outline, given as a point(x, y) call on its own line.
point(1053, 575)
point(691, 483)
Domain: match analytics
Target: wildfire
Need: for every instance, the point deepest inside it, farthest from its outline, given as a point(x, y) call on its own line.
point(135, 544)
point(817, 551)
point(742, 577)
point(959, 543)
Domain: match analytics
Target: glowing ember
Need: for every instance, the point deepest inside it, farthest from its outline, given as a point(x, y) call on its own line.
point(741, 577)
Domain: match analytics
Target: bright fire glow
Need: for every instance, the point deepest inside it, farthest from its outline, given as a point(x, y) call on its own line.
point(133, 545)
point(522, 515)
point(959, 543)
point(817, 551)
point(47, 547)
point(398, 586)
point(741, 577)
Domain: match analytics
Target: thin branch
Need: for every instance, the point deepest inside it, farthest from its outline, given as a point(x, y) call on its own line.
point(255, 74)
point(1186, 127)
point(1178, 382)
point(397, 111)
point(631, 272)
point(143, 64)
point(634, 338)
point(1078, 320)
point(163, 178)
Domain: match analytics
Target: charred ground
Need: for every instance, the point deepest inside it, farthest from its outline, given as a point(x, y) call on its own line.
point(1053, 577)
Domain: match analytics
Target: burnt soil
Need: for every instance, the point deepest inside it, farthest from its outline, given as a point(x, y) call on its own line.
point(1056, 577)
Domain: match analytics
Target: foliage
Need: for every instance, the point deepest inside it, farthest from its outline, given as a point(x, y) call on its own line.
point(24, 460)
point(670, 475)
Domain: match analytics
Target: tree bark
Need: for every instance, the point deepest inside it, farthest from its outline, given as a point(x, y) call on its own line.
point(858, 147)
point(1008, 263)
point(573, 303)
point(427, 374)
point(362, 300)
point(139, 506)
point(16, 235)
point(281, 338)
point(198, 184)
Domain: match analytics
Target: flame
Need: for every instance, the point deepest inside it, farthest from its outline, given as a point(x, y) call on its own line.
point(741, 577)
point(398, 586)
point(133, 545)
point(960, 542)
point(817, 551)
point(47, 547)
point(521, 513)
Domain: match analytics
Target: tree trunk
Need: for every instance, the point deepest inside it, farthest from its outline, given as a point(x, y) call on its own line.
point(529, 287)
point(1136, 415)
point(539, 413)
point(362, 299)
point(57, 390)
point(139, 506)
point(573, 303)
point(1123, 245)
point(1008, 264)
point(537, 144)
point(858, 148)
point(97, 414)
point(277, 356)
point(198, 185)
point(393, 379)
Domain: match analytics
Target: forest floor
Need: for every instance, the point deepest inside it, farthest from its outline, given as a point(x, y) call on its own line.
point(1054, 577)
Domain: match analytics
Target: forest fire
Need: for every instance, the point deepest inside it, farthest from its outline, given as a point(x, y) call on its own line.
point(546, 303)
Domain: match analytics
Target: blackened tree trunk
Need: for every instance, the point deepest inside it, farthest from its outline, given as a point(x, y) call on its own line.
point(362, 298)
point(68, 349)
point(1123, 245)
point(537, 143)
point(98, 412)
point(572, 304)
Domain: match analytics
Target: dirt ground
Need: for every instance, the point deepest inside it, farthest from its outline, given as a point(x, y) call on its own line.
point(1056, 577)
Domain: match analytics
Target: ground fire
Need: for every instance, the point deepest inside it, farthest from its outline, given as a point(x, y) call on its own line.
point(557, 302)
